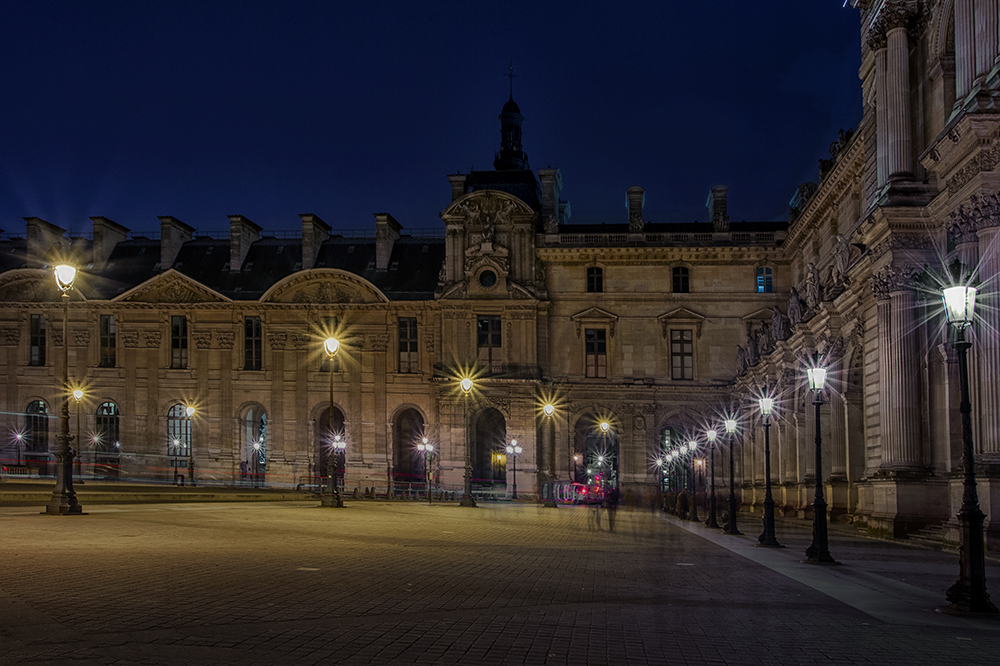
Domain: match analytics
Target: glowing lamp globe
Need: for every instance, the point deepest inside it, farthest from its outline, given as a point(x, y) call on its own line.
point(766, 405)
point(331, 346)
point(65, 276)
point(549, 410)
point(466, 385)
point(711, 435)
point(817, 378)
point(730, 426)
point(959, 305)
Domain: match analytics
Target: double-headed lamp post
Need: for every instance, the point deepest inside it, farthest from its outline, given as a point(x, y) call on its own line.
point(712, 521)
point(693, 515)
point(767, 537)
point(819, 551)
point(467, 500)
point(332, 499)
point(514, 450)
point(968, 594)
point(731, 431)
point(427, 449)
point(63, 500)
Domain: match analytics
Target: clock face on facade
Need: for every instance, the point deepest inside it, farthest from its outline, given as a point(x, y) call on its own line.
point(487, 278)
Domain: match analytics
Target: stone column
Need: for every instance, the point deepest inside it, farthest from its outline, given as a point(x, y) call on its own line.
point(965, 55)
point(877, 43)
point(986, 36)
point(987, 344)
point(838, 430)
point(897, 95)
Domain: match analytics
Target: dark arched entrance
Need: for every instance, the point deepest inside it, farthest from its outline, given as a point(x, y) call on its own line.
point(324, 441)
point(489, 462)
point(407, 462)
point(596, 452)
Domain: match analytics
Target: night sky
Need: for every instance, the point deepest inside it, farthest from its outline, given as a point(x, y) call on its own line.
point(199, 110)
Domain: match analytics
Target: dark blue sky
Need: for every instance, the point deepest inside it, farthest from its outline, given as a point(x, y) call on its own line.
point(269, 109)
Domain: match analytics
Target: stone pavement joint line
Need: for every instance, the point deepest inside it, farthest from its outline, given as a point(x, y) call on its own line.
point(406, 583)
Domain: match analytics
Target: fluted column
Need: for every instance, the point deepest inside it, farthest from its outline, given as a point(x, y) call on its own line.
point(897, 96)
point(965, 54)
point(987, 343)
point(877, 43)
point(838, 434)
point(885, 384)
point(904, 411)
point(986, 36)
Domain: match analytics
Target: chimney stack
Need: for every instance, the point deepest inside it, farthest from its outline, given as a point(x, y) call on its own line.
point(386, 232)
point(717, 208)
point(242, 234)
point(107, 234)
point(551, 180)
point(636, 197)
point(173, 234)
point(457, 181)
point(314, 232)
point(43, 237)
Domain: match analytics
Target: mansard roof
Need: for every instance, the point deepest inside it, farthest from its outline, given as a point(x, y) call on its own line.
point(412, 273)
point(522, 184)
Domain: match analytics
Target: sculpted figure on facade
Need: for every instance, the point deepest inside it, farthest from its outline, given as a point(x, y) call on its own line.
point(841, 259)
point(813, 287)
point(794, 308)
point(778, 331)
point(741, 359)
point(764, 338)
point(753, 349)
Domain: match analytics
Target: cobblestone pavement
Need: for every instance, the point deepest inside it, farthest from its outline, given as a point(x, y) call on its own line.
point(408, 583)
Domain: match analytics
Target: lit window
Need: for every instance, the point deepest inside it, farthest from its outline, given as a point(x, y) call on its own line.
point(765, 282)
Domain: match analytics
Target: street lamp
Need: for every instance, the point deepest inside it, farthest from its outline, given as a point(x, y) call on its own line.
point(819, 551)
point(427, 449)
point(78, 396)
point(731, 526)
point(548, 409)
point(968, 594)
point(693, 515)
point(189, 412)
point(767, 538)
point(63, 500)
point(514, 450)
point(256, 464)
point(332, 499)
point(712, 521)
point(467, 500)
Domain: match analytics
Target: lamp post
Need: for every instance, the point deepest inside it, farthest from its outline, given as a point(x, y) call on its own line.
point(332, 499)
point(968, 594)
point(427, 449)
point(514, 450)
point(819, 551)
point(467, 500)
point(548, 409)
point(256, 464)
point(576, 461)
point(63, 500)
point(18, 437)
point(78, 396)
point(712, 521)
point(731, 526)
point(605, 428)
point(767, 538)
point(693, 515)
point(189, 411)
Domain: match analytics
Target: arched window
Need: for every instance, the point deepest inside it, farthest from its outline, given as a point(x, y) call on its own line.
point(681, 280)
point(595, 279)
point(106, 437)
point(36, 427)
point(765, 280)
point(255, 440)
point(178, 432)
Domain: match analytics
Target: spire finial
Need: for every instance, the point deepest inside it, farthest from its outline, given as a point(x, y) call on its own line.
point(510, 75)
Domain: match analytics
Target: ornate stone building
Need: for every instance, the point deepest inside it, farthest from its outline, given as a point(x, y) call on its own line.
point(657, 328)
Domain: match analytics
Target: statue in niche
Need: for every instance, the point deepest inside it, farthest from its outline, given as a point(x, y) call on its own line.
point(539, 272)
point(813, 287)
point(764, 336)
point(777, 324)
point(794, 308)
point(753, 350)
point(741, 359)
point(841, 257)
point(489, 228)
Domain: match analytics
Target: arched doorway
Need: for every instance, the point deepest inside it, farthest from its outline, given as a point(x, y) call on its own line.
point(407, 463)
point(595, 453)
point(323, 442)
point(36, 436)
point(255, 442)
point(674, 474)
point(107, 447)
point(489, 461)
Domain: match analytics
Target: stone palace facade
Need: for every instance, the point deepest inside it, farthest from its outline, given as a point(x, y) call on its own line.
point(657, 328)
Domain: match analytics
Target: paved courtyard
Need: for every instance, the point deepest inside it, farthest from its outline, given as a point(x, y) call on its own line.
point(407, 583)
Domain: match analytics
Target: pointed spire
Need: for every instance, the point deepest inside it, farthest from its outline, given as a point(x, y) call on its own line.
point(511, 156)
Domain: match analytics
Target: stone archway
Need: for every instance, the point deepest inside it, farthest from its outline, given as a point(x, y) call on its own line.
point(596, 451)
point(407, 465)
point(489, 461)
point(322, 443)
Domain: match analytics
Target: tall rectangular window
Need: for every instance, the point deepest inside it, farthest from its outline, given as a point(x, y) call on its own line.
point(681, 353)
point(253, 344)
point(490, 343)
point(681, 280)
point(595, 279)
point(109, 339)
point(37, 339)
point(408, 361)
point(178, 341)
point(596, 345)
point(765, 280)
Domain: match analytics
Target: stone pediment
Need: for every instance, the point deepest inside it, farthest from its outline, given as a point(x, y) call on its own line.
point(31, 285)
point(486, 207)
point(595, 316)
point(171, 286)
point(324, 285)
point(764, 314)
point(681, 316)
